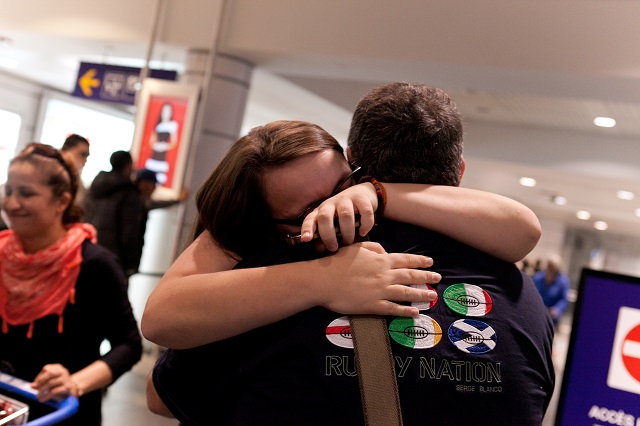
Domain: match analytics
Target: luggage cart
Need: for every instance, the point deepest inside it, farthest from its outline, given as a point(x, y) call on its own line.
point(63, 409)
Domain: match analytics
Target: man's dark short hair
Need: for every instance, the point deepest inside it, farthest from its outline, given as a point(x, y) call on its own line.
point(74, 140)
point(404, 132)
point(119, 160)
point(146, 174)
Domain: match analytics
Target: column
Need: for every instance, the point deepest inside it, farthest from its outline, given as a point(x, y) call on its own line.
point(225, 86)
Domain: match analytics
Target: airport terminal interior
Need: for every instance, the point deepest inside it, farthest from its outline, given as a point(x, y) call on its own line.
point(549, 92)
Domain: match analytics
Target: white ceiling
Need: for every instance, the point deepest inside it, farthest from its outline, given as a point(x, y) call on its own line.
point(528, 75)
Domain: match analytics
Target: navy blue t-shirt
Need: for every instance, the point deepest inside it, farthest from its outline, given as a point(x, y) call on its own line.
point(480, 355)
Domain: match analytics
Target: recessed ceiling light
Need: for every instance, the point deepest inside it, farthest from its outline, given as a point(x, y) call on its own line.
point(600, 225)
point(604, 122)
point(637, 212)
point(625, 195)
point(9, 63)
point(525, 181)
point(583, 215)
point(559, 200)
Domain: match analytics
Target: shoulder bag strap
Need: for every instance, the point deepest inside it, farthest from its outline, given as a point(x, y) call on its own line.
point(376, 372)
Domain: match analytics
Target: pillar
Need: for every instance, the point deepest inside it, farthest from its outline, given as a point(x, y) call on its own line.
point(225, 86)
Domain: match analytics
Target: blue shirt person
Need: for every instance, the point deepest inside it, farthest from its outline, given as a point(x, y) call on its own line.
point(553, 287)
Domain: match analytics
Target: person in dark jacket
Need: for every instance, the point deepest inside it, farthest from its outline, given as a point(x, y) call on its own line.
point(115, 208)
point(146, 182)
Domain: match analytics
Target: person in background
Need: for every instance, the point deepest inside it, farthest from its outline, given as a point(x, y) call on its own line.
point(78, 148)
point(146, 182)
point(115, 208)
point(526, 266)
point(61, 294)
point(553, 286)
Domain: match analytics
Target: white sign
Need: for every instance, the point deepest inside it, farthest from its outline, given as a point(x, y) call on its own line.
point(624, 368)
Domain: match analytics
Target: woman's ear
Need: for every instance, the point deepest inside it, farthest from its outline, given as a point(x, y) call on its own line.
point(349, 155)
point(63, 202)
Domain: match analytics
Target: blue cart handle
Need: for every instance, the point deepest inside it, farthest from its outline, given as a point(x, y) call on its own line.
point(64, 409)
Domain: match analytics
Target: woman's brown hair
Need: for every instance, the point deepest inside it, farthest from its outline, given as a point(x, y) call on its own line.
point(231, 203)
point(59, 172)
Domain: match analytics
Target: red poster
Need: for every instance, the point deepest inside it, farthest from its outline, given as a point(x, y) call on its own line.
point(164, 122)
point(162, 136)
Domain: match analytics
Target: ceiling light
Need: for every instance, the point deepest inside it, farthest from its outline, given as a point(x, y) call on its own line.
point(584, 215)
point(625, 195)
point(559, 200)
point(525, 181)
point(600, 225)
point(637, 212)
point(604, 122)
point(9, 63)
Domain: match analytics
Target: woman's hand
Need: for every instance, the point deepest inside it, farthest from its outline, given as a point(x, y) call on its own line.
point(363, 279)
point(359, 199)
point(54, 382)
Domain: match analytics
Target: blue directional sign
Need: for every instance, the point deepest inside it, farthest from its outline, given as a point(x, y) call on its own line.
point(112, 83)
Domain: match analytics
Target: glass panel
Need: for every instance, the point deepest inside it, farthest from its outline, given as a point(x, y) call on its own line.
point(10, 125)
point(106, 133)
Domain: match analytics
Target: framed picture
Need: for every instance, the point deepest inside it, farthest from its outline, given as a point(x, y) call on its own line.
point(164, 121)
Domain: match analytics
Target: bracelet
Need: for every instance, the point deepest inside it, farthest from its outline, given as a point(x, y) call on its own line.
point(78, 391)
point(381, 193)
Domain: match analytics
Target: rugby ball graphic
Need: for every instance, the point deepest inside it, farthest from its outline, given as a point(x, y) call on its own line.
point(468, 300)
point(339, 333)
point(472, 336)
point(422, 332)
point(423, 306)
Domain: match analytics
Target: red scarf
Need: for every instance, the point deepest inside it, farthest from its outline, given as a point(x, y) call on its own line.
point(35, 285)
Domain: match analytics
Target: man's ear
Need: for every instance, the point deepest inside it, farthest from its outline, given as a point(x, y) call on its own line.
point(463, 166)
point(349, 155)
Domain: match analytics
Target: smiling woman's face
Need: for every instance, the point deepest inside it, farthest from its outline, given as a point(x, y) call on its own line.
point(291, 188)
point(29, 202)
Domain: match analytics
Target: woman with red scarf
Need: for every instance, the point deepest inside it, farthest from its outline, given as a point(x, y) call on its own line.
point(61, 295)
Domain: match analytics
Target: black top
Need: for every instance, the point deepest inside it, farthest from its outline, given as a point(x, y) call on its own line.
point(491, 369)
point(101, 311)
point(115, 208)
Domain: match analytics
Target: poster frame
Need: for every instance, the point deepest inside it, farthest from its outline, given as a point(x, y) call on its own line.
point(151, 98)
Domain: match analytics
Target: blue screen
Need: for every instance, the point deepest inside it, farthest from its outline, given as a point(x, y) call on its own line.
point(601, 383)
